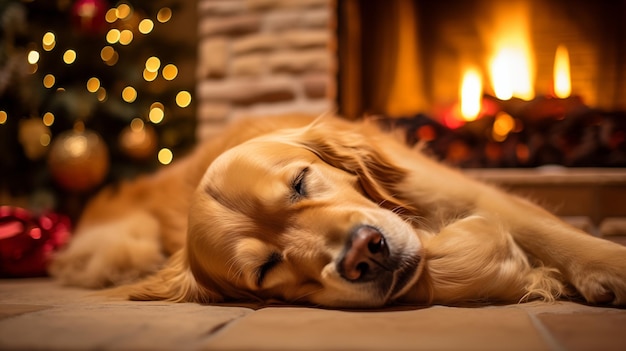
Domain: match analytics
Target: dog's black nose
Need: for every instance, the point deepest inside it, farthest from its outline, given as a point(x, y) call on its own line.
point(365, 255)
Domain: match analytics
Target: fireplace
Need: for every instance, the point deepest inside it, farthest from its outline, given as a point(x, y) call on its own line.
point(488, 83)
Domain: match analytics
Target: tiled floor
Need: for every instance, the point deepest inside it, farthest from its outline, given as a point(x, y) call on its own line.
point(38, 314)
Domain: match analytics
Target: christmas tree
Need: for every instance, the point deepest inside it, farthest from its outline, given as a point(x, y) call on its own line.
point(90, 93)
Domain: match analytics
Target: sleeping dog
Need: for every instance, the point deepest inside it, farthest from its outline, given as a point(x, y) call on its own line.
point(331, 213)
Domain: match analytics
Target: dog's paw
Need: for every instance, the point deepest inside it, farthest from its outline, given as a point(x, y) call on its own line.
point(601, 279)
point(110, 254)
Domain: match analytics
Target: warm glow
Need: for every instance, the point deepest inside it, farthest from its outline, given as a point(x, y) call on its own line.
point(164, 15)
point(170, 72)
point(153, 64)
point(562, 79)
point(126, 37)
point(49, 80)
point(69, 56)
point(502, 126)
point(156, 114)
point(136, 125)
point(129, 94)
point(145, 26)
point(123, 11)
point(149, 76)
point(102, 94)
point(107, 53)
point(93, 84)
point(113, 60)
point(33, 57)
point(113, 36)
point(183, 98)
point(165, 156)
point(111, 15)
point(3, 117)
point(512, 67)
point(48, 41)
point(48, 119)
point(471, 94)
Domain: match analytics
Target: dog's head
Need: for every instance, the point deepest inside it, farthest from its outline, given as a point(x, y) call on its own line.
point(307, 215)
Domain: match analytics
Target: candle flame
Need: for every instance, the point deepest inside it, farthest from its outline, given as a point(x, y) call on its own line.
point(471, 94)
point(562, 79)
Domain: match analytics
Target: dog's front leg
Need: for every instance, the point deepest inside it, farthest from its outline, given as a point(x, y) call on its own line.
point(595, 267)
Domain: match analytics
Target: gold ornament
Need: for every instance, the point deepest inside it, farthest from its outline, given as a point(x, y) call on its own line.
point(138, 141)
point(78, 160)
point(34, 136)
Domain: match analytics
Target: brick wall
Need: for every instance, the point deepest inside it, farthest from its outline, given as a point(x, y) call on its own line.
point(260, 57)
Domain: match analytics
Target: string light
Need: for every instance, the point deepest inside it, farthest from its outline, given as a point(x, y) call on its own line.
point(165, 156)
point(49, 80)
point(3, 117)
point(153, 64)
point(93, 84)
point(164, 15)
point(123, 11)
point(129, 94)
point(156, 114)
point(102, 94)
point(183, 98)
point(107, 53)
point(44, 139)
point(111, 15)
point(113, 36)
point(33, 57)
point(136, 125)
point(48, 41)
point(126, 36)
point(145, 26)
point(149, 76)
point(69, 56)
point(48, 119)
point(170, 72)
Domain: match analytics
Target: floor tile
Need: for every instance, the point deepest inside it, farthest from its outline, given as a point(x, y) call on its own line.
point(582, 331)
point(434, 328)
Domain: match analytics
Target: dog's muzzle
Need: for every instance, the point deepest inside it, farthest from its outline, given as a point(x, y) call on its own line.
point(365, 256)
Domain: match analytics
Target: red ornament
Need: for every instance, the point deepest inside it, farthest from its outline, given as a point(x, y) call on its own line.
point(89, 15)
point(27, 242)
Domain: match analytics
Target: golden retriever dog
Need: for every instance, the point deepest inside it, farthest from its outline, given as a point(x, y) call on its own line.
point(330, 213)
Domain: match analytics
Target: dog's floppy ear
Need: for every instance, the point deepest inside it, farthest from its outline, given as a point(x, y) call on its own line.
point(175, 282)
point(356, 148)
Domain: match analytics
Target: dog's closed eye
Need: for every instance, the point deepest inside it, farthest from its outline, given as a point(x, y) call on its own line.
point(299, 183)
point(272, 260)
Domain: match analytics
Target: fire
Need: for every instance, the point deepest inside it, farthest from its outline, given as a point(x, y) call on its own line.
point(562, 79)
point(511, 64)
point(471, 94)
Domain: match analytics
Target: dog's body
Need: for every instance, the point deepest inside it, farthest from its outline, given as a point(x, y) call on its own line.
point(331, 213)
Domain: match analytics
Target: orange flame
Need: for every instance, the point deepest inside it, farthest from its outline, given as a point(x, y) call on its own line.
point(562, 79)
point(512, 67)
point(471, 94)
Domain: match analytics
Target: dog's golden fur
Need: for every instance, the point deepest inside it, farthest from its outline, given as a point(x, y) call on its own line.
point(331, 213)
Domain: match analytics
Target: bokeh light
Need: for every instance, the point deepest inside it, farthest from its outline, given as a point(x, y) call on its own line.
point(49, 80)
point(129, 94)
point(183, 98)
point(69, 56)
point(170, 71)
point(164, 15)
point(165, 156)
point(145, 26)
